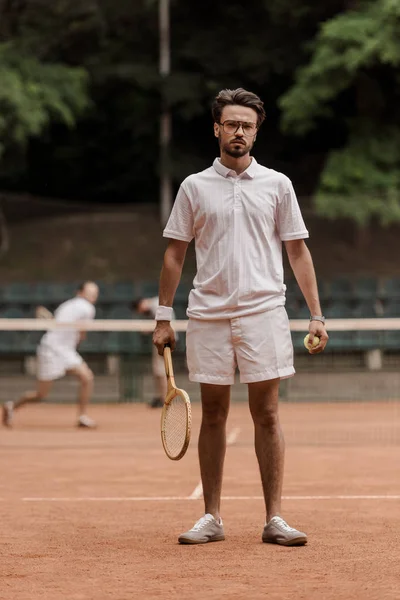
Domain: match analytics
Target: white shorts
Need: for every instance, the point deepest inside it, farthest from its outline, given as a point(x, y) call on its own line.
point(260, 345)
point(53, 363)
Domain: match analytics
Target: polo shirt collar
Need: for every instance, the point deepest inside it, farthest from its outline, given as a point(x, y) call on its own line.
point(249, 173)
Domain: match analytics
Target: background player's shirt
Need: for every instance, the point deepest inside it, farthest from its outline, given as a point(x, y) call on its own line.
point(76, 309)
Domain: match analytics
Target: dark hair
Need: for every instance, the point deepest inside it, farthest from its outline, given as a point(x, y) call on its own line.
point(135, 304)
point(242, 98)
point(135, 307)
point(81, 286)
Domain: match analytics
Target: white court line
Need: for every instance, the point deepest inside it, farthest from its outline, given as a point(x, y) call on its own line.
point(232, 436)
point(197, 492)
point(185, 498)
point(230, 439)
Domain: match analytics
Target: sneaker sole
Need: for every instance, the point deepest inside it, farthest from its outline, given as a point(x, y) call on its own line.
point(295, 542)
point(217, 538)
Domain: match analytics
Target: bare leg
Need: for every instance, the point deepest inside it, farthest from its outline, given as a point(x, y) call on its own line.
point(42, 390)
point(269, 441)
point(85, 377)
point(212, 443)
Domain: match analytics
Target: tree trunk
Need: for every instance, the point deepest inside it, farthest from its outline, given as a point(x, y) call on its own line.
point(4, 236)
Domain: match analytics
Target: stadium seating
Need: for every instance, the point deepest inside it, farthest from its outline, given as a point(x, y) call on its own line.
point(366, 288)
point(13, 312)
point(391, 288)
point(391, 340)
point(18, 293)
point(303, 311)
point(339, 309)
point(391, 308)
point(123, 291)
point(342, 341)
point(368, 340)
point(341, 297)
point(365, 308)
point(341, 288)
point(120, 312)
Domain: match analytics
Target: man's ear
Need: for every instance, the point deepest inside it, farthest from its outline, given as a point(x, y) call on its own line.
point(216, 130)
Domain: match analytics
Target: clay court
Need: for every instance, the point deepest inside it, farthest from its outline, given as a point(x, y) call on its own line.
point(91, 515)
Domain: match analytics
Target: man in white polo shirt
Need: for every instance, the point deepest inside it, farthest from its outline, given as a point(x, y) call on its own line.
point(239, 213)
point(57, 356)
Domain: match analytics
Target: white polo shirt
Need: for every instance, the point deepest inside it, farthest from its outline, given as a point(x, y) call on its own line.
point(239, 223)
point(76, 309)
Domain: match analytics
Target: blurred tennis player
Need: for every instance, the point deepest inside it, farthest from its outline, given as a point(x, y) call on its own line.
point(148, 307)
point(57, 356)
point(239, 213)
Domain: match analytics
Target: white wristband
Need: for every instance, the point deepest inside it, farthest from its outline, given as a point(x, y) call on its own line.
point(164, 313)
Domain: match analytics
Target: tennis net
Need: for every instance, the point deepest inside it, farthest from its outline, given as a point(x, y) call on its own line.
point(348, 395)
point(361, 362)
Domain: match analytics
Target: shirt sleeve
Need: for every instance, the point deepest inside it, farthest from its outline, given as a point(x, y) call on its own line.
point(290, 221)
point(89, 313)
point(180, 223)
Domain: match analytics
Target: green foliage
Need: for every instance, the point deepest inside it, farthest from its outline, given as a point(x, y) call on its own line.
point(81, 94)
point(348, 44)
point(35, 94)
point(353, 80)
point(363, 179)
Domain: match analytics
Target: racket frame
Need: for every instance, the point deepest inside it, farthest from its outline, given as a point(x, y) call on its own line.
point(172, 392)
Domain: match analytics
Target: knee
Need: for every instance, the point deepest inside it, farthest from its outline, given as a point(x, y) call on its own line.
point(87, 377)
point(214, 414)
point(267, 417)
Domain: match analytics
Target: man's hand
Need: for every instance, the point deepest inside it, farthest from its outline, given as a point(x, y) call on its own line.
point(317, 328)
point(162, 335)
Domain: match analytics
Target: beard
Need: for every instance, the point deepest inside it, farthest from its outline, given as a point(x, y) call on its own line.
point(236, 150)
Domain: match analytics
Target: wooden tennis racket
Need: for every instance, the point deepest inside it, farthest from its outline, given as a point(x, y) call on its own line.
point(176, 416)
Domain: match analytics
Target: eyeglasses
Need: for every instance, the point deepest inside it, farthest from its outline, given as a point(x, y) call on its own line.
point(231, 127)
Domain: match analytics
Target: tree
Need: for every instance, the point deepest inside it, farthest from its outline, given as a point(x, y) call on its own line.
point(34, 94)
point(350, 89)
point(112, 154)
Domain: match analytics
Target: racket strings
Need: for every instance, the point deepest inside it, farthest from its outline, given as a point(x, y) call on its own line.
point(175, 426)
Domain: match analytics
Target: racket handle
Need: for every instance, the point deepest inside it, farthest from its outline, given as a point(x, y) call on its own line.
point(169, 371)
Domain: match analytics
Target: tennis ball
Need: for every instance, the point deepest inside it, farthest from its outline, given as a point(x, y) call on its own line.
point(307, 342)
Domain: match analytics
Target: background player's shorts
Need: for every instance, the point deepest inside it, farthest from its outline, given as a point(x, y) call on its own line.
point(260, 345)
point(53, 363)
point(157, 363)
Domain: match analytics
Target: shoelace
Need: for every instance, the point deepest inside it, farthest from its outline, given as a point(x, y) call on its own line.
point(202, 523)
point(279, 521)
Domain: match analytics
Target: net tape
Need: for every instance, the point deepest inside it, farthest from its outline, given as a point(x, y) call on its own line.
point(147, 325)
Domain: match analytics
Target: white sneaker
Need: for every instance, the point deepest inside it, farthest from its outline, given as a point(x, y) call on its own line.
point(207, 529)
point(8, 413)
point(277, 531)
point(85, 421)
